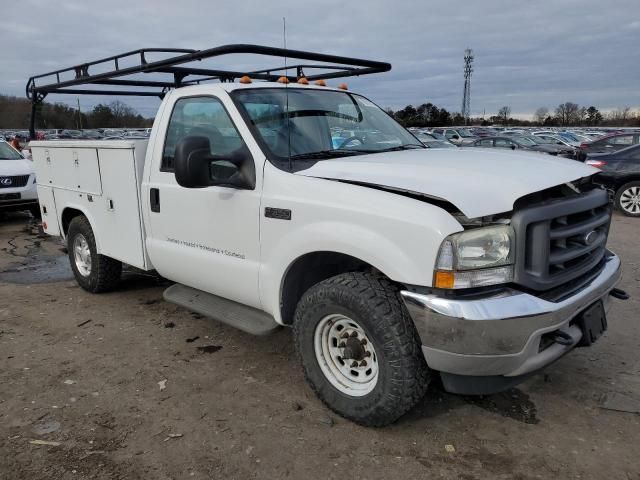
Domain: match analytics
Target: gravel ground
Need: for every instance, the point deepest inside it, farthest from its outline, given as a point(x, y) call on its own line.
point(128, 386)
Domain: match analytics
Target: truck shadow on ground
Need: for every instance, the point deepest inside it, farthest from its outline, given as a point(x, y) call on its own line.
point(512, 403)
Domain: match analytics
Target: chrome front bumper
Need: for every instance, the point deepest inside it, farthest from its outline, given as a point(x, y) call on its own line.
point(499, 335)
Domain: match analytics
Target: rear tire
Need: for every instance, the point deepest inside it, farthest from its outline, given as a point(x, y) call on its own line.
point(94, 272)
point(628, 199)
point(356, 317)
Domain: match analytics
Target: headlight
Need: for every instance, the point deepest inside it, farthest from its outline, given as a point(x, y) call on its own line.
point(475, 258)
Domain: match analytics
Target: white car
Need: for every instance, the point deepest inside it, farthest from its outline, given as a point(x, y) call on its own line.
point(17, 182)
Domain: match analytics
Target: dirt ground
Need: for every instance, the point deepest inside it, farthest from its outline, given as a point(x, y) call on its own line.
point(128, 386)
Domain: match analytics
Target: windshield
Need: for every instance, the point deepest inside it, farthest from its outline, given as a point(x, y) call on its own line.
point(8, 153)
point(465, 133)
point(524, 141)
point(320, 124)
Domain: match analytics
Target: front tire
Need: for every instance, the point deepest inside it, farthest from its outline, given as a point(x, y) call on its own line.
point(359, 348)
point(94, 272)
point(628, 199)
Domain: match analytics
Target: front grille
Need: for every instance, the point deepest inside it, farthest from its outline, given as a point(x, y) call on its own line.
point(13, 182)
point(561, 240)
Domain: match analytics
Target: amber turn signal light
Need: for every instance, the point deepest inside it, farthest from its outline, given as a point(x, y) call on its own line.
point(444, 279)
point(245, 79)
point(283, 80)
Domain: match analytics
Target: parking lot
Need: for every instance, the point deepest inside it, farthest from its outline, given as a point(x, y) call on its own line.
point(124, 385)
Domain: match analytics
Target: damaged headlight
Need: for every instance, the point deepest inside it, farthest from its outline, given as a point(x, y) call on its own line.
point(475, 258)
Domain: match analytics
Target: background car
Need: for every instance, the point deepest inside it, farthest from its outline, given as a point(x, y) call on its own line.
point(431, 141)
point(17, 182)
point(457, 136)
point(608, 144)
point(620, 172)
point(517, 142)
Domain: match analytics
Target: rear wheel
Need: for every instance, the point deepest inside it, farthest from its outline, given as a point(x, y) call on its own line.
point(628, 199)
point(359, 348)
point(94, 272)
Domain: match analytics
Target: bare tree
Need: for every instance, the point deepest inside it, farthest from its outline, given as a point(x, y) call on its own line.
point(568, 113)
point(541, 115)
point(504, 113)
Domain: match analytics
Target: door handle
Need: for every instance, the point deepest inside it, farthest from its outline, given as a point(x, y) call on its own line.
point(154, 199)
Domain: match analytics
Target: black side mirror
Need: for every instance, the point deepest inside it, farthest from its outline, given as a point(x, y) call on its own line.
point(513, 147)
point(196, 167)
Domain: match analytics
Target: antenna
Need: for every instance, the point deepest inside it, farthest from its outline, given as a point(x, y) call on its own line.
point(466, 96)
point(286, 90)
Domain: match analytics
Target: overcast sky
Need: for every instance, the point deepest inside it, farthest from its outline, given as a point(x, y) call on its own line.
point(528, 54)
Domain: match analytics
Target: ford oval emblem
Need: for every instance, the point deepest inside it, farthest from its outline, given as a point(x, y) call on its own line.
point(6, 181)
point(590, 237)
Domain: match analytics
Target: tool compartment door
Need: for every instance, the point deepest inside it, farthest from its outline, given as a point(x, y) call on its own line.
point(68, 168)
point(117, 210)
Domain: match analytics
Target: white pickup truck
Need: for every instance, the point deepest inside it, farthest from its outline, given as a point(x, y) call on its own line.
point(279, 204)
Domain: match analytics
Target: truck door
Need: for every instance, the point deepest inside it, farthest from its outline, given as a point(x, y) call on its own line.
point(206, 238)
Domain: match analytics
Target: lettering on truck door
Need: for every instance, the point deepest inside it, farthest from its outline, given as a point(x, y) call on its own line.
point(206, 238)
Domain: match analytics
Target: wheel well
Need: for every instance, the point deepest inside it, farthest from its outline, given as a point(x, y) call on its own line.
point(625, 180)
point(67, 215)
point(310, 269)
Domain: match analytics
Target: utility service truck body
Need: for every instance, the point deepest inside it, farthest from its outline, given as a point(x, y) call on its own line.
point(278, 204)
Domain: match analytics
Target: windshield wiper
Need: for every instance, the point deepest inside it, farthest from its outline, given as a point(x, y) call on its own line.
point(324, 154)
point(410, 146)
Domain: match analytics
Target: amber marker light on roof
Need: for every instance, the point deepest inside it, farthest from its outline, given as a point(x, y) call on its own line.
point(303, 81)
point(283, 80)
point(321, 83)
point(343, 86)
point(245, 79)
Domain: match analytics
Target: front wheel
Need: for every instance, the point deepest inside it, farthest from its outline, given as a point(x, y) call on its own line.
point(359, 348)
point(628, 199)
point(94, 272)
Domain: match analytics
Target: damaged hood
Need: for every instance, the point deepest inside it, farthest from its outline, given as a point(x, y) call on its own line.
point(478, 182)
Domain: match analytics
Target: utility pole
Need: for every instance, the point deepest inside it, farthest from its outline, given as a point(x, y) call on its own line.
point(79, 114)
point(466, 96)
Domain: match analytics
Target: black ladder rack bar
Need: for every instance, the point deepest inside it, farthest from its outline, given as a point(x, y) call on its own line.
point(52, 82)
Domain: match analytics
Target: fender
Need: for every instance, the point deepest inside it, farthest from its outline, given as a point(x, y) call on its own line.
point(329, 216)
point(85, 211)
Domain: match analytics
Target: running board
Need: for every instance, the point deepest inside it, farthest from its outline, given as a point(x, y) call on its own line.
point(242, 317)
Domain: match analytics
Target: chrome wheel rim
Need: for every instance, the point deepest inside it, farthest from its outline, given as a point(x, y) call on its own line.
point(82, 255)
point(346, 355)
point(630, 200)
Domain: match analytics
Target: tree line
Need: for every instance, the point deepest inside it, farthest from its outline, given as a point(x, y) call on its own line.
point(564, 115)
point(15, 113)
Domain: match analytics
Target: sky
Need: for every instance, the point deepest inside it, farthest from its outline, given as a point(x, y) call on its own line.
point(528, 54)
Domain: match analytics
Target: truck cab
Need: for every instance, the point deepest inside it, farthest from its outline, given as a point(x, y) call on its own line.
point(277, 202)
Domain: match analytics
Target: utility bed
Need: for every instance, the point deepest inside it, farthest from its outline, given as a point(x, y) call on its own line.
point(102, 178)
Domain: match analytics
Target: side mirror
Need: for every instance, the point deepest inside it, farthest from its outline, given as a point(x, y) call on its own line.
point(455, 137)
point(196, 167)
point(513, 147)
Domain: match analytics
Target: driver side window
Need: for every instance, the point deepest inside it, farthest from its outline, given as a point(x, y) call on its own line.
point(202, 117)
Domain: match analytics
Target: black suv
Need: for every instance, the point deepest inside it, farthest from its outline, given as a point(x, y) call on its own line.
point(620, 172)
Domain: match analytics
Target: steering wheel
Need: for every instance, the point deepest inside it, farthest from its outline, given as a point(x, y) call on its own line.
point(347, 141)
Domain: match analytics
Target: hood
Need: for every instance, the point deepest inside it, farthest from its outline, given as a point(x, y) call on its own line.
point(478, 182)
point(15, 167)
